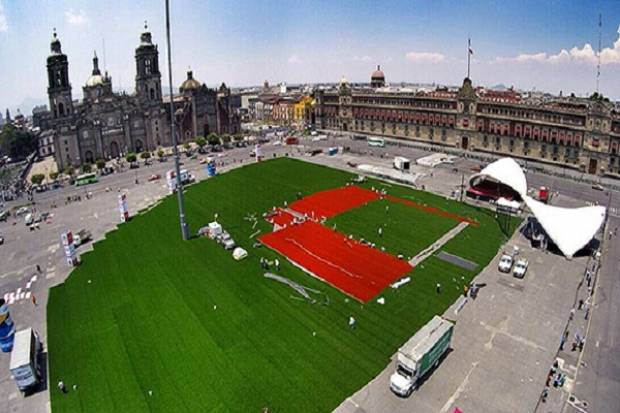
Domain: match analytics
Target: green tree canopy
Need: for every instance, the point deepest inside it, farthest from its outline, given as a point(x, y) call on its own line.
point(37, 179)
point(87, 168)
point(16, 142)
point(201, 141)
point(160, 153)
point(145, 155)
point(100, 163)
point(53, 176)
point(213, 139)
point(226, 138)
point(130, 157)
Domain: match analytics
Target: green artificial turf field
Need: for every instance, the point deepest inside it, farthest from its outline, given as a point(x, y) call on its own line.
point(149, 323)
point(405, 230)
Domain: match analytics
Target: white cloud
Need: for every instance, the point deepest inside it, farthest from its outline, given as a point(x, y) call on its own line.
point(365, 58)
point(78, 18)
point(3, 24)
point(425, 57)
point(294, 60)
point(585, 54)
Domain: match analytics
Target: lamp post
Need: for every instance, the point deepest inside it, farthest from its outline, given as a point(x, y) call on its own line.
point(175, 151)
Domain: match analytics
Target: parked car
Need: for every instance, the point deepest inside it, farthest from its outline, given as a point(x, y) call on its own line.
point(598, 187)
point(21, 211)
point(505, 263)
point(4, 215)
point(520, 268)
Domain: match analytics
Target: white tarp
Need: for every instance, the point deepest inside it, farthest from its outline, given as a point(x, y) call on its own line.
point(505, 203)
point(570, 228)
point(390, 173)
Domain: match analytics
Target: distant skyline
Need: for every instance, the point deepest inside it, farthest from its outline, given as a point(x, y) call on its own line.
point(547, 45)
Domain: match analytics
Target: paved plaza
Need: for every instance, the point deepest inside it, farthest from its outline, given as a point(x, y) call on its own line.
point(505, 340)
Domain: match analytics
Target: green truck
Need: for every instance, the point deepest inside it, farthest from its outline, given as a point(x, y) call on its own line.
point(418, 355)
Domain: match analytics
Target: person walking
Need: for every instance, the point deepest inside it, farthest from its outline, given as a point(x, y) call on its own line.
point(563, 340)
point(34, 300)
point(438, 288)
point(277, 264)
point(38, 268)
point(572, 314)
point(62, 387)
point(580, 304)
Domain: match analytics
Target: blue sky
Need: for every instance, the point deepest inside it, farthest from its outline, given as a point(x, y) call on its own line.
point(528, 44)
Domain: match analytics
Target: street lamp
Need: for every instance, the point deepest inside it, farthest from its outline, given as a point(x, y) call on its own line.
point(175, 151)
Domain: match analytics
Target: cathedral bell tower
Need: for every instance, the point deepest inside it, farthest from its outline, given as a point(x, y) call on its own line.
point(148, 78)
point(59, 88)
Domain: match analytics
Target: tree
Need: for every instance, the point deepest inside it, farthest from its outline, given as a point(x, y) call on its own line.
point(238, 137)
point(145, 155)
point(226, 138)
point(130, 157)
point(37, 179)
point(160, 153)
point(53, 176)
point(16, 142)
point(87, 168)
point(201, 141)
point(69, 171)
point(213, 139)
point(186, 146)
point(100, 163)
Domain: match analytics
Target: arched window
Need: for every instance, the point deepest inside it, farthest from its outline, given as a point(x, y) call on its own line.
point(61, 109)
point(152, 94)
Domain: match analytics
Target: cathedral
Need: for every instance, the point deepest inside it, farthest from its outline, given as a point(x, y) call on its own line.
point(106, 125)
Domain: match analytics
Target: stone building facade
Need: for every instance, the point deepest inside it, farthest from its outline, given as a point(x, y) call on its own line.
point(579, 133)
point(106, 125)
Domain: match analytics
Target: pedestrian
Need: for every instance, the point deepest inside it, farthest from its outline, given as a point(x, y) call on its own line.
point(563, 340)
point(351, 322)
point(580, 303)
point(587, 313)
point(465, 290)
point(572, 314)
point(380, 231)
point(277, 264)
point(581, 344)
point(438, 288)
point(34, 300)
point(62, 387)
point(38, 268)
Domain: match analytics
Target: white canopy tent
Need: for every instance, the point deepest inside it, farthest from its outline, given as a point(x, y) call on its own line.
point(569, 228)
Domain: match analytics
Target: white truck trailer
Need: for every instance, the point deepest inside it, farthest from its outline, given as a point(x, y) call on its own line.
point(24, 365)
point(418, 355)
point(401, 163)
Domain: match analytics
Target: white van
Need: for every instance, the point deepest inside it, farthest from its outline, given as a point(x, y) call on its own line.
point(24, 366)
point(29, 219)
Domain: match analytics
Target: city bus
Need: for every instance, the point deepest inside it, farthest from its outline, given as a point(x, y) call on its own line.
point(86, 179)
point(379, 142)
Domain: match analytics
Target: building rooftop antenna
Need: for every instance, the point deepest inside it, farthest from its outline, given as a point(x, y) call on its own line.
point(598, 65)
point(105, 66)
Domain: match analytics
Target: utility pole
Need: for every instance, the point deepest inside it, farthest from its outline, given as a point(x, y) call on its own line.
point(175, 151)
point(462, 185)
point(598, 65)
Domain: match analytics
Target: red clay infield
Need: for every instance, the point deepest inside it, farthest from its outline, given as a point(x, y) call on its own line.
point(354, 268)
point(333, 201)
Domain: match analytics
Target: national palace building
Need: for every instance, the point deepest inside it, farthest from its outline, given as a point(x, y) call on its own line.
point(575, 132)
point(107, 124)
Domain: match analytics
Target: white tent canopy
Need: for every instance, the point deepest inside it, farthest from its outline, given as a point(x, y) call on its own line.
point(569, 228)
point(506, 171)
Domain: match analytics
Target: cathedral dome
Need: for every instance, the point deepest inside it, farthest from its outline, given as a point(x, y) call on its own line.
point(190, 83)
point(94, 80)
point(378, 74)
point(377, 79)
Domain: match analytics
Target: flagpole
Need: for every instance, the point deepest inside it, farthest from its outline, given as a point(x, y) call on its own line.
point(468, 55)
